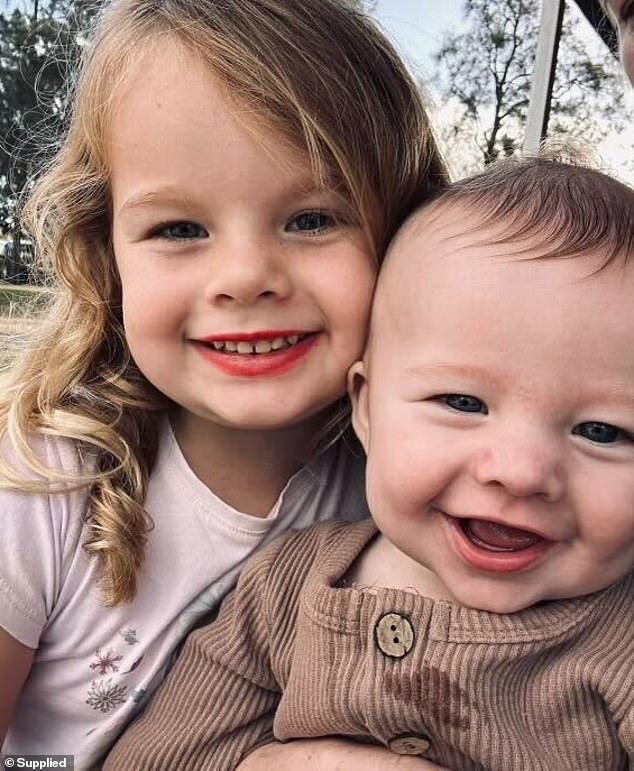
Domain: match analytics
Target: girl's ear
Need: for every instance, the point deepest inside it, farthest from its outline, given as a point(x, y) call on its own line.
point(358, 392)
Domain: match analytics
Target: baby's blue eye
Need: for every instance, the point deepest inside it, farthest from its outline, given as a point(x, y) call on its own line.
point(311, 222)
point(602, 433)
point(180, 231)
point(464, 403)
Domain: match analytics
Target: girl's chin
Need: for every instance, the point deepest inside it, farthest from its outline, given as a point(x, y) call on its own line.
point(249, 417)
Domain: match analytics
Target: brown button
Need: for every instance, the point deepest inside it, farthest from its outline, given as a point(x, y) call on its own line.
point(394, 635)
point(409, 745)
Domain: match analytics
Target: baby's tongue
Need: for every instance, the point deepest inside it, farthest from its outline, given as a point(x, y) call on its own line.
point(497, 537)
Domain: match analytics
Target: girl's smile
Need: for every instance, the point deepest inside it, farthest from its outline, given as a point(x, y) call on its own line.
point(259, 354)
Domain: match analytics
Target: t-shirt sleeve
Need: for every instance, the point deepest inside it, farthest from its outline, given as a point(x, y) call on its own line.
point(38, 530)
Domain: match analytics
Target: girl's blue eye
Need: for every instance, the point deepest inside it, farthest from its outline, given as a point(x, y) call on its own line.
point(180, 231)
point(464, 403)
point(311, 222)
point(601, 433)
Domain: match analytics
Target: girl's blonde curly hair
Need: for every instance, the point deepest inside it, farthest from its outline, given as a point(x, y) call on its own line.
point(316, 70)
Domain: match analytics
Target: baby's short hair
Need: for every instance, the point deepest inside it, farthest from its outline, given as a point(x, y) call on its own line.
point(555, 201)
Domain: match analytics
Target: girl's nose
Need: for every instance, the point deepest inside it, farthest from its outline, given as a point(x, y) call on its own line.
point(246, 271)
point(524, 468)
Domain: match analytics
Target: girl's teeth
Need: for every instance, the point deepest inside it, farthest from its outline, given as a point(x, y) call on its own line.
point(261, 346)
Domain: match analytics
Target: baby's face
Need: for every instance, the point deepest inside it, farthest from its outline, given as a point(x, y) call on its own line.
point(498, 416)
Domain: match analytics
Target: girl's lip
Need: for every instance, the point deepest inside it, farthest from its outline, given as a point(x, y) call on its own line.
point(494, 561)
point(270, 364)
point(250, 337)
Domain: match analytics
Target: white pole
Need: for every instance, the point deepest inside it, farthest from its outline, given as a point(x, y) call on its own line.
point(544, 74)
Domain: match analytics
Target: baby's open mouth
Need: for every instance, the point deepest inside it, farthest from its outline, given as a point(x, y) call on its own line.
point(496, 537)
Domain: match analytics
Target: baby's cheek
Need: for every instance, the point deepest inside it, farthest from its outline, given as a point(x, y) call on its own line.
point(394, 484)
point(614, 535)
point(601, 494)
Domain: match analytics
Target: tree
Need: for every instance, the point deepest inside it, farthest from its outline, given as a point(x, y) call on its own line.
point(37, 47)
point(488, 68)
point(364, 5)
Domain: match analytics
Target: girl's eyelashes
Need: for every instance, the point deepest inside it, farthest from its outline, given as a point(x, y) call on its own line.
point(463, 403)
point(179, 231)
point(311, 222)
point(601, 433)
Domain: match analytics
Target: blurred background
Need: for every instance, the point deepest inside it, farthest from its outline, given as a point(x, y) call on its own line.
point(475, 60)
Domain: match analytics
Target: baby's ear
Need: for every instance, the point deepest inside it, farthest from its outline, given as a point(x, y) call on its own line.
point(358, 392)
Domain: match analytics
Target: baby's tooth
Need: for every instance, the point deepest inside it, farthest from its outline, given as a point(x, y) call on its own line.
point(229, 346)
point(245, 347)
point(277, 343)
point(292, 339)
point(263, 346)
point(219, 346)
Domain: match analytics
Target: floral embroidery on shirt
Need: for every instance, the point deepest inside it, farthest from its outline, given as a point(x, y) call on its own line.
point(107, 693)
point(104, 695)
point(129, 635)
point(106, 662)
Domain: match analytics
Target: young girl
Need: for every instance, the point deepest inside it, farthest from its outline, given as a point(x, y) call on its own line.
point(212, 227)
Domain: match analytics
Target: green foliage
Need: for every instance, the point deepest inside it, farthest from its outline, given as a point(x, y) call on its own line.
point(488, 69)
point(37, 51)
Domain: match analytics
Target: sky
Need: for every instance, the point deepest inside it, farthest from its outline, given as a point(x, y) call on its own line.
point(416, 28)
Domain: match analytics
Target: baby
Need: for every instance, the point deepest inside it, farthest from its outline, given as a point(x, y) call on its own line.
point(485, 618)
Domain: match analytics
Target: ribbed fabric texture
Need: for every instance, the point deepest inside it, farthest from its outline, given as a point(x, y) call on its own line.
point(548, 689)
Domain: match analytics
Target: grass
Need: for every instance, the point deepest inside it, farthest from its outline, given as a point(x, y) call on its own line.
point(17, 304)
point(18, 299)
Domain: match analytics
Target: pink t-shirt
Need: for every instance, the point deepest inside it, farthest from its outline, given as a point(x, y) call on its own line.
point(95, 666)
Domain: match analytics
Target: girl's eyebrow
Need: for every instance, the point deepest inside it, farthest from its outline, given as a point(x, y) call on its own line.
point(167, 197)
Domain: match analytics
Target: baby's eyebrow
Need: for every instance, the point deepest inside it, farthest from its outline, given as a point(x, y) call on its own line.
point(610, 395)
point(607, 393)
point(467, 371)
